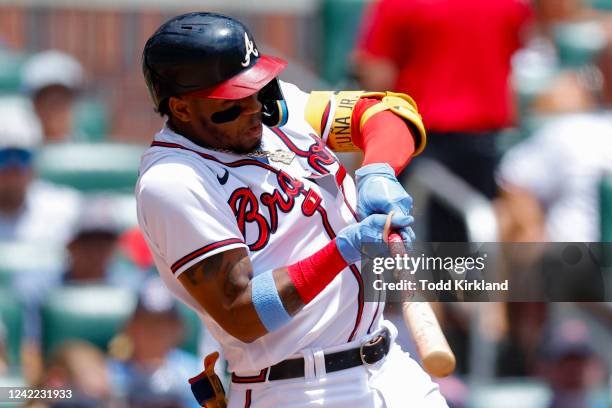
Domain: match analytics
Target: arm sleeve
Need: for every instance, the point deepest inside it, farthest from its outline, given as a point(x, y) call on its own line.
point(385, 138)
point(184, 216)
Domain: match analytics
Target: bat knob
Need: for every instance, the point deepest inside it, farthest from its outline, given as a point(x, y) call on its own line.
point(439, 363)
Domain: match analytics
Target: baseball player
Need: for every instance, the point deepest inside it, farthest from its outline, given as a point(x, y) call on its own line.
point(254, 223)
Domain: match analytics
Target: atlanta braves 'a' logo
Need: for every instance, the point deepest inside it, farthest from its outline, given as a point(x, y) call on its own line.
point(249, 49)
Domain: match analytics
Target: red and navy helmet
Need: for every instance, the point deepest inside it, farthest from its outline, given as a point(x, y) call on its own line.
point(208, 55)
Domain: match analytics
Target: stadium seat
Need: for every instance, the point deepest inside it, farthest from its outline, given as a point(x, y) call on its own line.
point(91, 120)
point(10, 71)
point(90, 166)
point(92, 313)
point(601, 4)
point(12, 320)
point(21, 257)
point(341, 21)
point(510, 394)
point(578, 42)
point(96, 314)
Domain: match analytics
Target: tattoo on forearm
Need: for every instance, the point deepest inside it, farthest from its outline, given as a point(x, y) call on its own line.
point(235, 274)
point(237, 278)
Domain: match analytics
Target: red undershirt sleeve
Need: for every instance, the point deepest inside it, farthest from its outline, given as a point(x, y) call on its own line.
point(385, 137)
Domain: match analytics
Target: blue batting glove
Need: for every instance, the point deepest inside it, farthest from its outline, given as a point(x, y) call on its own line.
point(369, 231)
point(379, 192)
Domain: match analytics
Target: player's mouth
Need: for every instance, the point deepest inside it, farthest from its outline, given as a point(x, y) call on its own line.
point(255, 131)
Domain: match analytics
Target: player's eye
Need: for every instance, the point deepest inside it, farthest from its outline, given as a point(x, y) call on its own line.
point(226, 115)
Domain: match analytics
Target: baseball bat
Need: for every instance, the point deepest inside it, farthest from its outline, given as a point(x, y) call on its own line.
point(433, 349)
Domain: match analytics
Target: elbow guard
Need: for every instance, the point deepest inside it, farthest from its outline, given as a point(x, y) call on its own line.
point(331, 114)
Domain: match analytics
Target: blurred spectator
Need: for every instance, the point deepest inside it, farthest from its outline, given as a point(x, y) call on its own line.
point(567, 93)
point(550, 181)
point(97, 245)
point(91, 250)
point(552, 12)
point(571, 367)
point(453, 58)
point(53, 80)
point(30, 210)
point(149, 369)
point(93, 243)
point(80, 367)
point(518, 350)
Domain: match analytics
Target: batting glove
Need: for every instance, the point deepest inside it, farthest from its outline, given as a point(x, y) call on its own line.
point(379, 192)
point(365, 237)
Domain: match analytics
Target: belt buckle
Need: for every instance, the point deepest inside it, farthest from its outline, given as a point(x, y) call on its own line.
point(383, 336)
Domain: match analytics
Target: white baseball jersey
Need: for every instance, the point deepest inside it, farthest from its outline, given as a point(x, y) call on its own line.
point(195, 202)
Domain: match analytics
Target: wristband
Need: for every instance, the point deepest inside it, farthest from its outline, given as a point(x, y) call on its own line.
point(311, 275)
point(267, 302)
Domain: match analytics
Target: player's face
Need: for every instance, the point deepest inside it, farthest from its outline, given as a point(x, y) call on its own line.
point(228, 124)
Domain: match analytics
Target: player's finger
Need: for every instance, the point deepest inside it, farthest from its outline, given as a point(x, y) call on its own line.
point(402, 207)
point(401, 221)
point(407, 234)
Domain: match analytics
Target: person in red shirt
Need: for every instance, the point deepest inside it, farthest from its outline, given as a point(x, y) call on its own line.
point(453, 58)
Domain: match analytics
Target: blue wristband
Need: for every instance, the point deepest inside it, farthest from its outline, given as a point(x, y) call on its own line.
point(268, 305)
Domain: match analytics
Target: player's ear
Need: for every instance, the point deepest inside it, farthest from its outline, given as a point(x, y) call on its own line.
point(180, 109)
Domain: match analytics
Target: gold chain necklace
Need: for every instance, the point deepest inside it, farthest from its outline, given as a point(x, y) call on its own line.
point(278, 155)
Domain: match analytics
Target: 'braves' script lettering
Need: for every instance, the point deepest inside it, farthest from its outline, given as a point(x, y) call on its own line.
point(246, 207)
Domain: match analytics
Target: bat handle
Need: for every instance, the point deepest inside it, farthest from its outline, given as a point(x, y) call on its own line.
point(436, 355)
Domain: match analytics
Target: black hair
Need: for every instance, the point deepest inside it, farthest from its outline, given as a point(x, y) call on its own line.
point(164, 108)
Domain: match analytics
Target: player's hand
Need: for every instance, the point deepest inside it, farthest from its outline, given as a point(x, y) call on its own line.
point(379, 192)
point(370, 231)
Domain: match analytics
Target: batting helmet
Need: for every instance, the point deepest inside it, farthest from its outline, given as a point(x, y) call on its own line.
point(209, 55)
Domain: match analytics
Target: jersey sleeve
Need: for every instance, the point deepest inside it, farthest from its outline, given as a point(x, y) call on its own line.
point(298, 104)
point(184, 215)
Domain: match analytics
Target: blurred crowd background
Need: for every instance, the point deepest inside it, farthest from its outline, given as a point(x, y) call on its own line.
point(516, 97)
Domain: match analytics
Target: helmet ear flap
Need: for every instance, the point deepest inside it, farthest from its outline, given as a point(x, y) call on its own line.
point(274, 107)
point(275, 113)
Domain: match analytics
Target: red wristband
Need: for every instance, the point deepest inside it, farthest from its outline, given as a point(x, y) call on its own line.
point(312, 274)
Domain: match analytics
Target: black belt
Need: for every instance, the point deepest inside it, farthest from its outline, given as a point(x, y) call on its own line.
point(366, 354)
